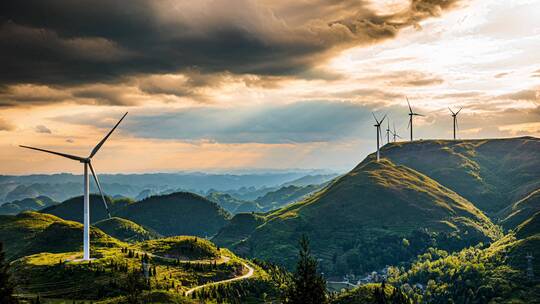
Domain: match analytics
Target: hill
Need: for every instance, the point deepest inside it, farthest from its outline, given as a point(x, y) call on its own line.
point(31, 232)
point(27, 204)
point(529, 227)
point(125, 230)
point(72, 209)
point(180, 213)
point(231, 204)
point(520, 211)
point(284, 196)
point(491, 173)
point(377, 214)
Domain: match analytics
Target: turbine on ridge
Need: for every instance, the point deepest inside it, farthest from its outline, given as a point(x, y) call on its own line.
point(87, 161)
point(454, 118)
point(379, 134)
point(411, 114)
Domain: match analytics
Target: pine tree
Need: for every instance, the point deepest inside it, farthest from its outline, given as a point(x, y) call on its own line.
point(308, 286)
point(6, 286)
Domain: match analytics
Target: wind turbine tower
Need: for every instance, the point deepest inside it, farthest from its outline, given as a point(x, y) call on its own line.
point(411, 114)
point(87, 163)
point(454, 118)
point(394, 133)
point(388, 131)
point(379, 134)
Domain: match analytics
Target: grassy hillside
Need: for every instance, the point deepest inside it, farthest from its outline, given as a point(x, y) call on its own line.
point(182, 247)
point(72, 209)
point(491, 173)
point(520, 211)
point(377, 214)
point(284, 196)
point(180, 213)
point(31, 232)
point(27, 204)
point(125, 230)
point(495, 274)
point(239, 228)
point(232, 204)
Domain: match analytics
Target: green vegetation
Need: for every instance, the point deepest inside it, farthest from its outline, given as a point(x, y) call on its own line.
point(378, 214)
point(180, 213)
point(72, 209)
point(284, 196)
point(232, 204)
point(520, 211)
point(125, 230)
point(308, 287)
point(491, 173)
point(31, 232)
point(6, 286)
point(181, 247)
point(372, 294)
point(27, 204)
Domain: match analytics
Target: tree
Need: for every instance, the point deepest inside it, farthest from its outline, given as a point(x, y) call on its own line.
point(134, 285)
point(6, 285)
point(308, 286)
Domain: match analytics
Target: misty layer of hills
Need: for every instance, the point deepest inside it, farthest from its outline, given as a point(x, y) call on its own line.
point(444, 219)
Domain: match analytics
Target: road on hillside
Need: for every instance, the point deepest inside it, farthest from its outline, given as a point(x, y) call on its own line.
point(243, 277)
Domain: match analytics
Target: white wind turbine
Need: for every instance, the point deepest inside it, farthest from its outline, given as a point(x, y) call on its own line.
point(388, 131)
point(87, 161)
point(379, 134)
point(394, 134)
point(454, 117)
point(411, 114)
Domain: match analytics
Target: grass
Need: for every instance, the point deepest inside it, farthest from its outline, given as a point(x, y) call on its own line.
point(126, 230)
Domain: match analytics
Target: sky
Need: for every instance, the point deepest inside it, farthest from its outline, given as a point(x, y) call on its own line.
point(224, 85)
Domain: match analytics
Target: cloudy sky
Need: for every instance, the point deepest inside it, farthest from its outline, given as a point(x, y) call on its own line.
point(241, 84)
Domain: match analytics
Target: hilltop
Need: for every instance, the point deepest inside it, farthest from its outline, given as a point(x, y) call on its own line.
point(27, 204)
point(379, 213)
point(180, 213)
point(490, 173)
point(31, 232)
point(72, 209)
point(125, 230)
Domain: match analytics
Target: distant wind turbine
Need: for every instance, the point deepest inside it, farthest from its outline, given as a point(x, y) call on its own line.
point(379, 134)
point(388, 131)
point(411, 114)
point(394, 134)
point(454, 117)
point(87, 161)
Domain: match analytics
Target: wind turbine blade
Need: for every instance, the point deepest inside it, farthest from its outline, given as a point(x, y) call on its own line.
point(98, 146)
point(457, 125)
point(380, 135)
point(99, 187)
point(417, 114)
point(375, 117)
point(451, 111)
point(55, 153)
point(409, 124)
point(408, 103)
point(459, 110)
point(383, 118)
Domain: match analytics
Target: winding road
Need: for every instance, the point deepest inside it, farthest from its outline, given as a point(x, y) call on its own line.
point(242, 277)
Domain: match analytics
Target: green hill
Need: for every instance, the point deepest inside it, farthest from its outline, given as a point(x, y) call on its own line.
point(72, 209)
point(491, 173)
point(182, 247)
point(520, 211)
point(239, 228)
point(529, 227)
point(231, 204)
point(125, 230)
point(284, 196)
point(377, 214)
point(180, 213)
point(27, 204)
point(31, 232)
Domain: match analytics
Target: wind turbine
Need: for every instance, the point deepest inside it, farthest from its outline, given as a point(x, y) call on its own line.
point(454, 116)
point(411, 114)
point(394, 134)
point(379, 134)
point(388, 131)
point(87, 161)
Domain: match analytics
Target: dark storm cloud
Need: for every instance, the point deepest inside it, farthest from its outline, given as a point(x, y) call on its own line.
point(68, 42)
